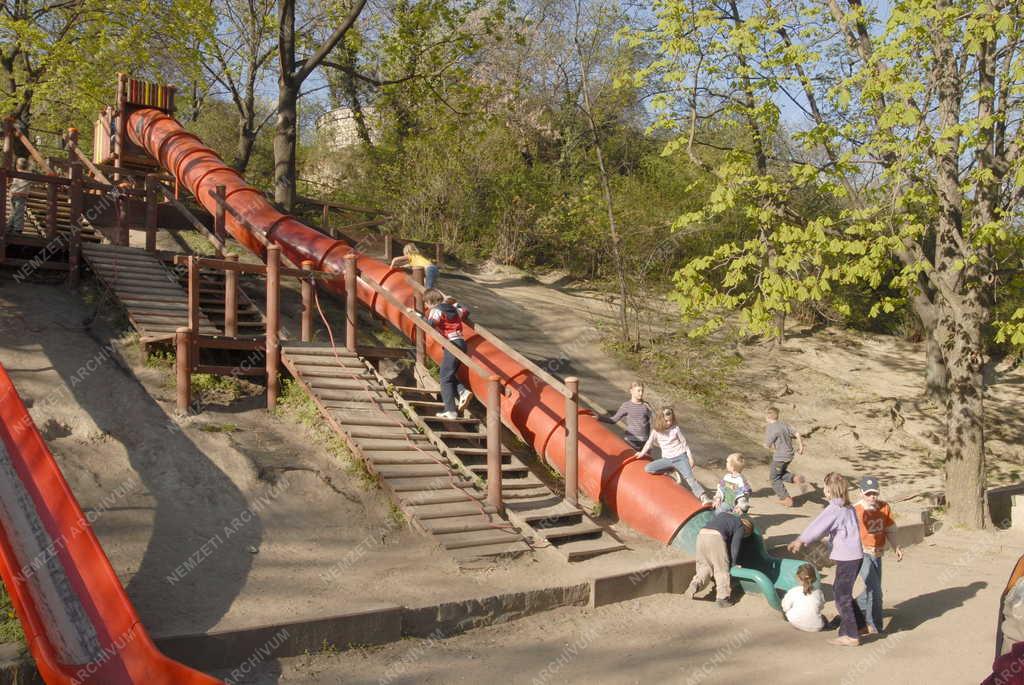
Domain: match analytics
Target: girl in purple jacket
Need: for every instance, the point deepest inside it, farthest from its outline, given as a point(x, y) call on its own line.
point(839, 522)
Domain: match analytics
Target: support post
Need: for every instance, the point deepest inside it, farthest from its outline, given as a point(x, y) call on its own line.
point(151, 211)
point(183, 366)
point(273, 321)
point(324, 218)
point(72, 143)
point(231, 298)
point(350, 302)
point(439, 254)
point(572, 441)
point(219, 226)
point(389, 248)
point(3, 199)
point(494, 444)
point(307, 303)
point(51, 210)
point(193, 293)
point(75, 248)
point(419, 276)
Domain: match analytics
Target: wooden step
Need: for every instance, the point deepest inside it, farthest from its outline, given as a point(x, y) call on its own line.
point(448, 496)
point(512, 494)
point(461, 524)
point(393, 471)
point(397, 443)
point(576, 550)
point(575, 530)
point(470, 554)
point(426, 404)
point(354, 396)
point(478, 451)
point(428, 483)
point(391, 419)
point(387, 433)
point(410, 457)
point(404, 389)
point(329, 362)
point(426, 512)
point(342, 381)
point(460, 435)
point(337, 372)
point(554, 513)
point(506, 469)
point(466, 422)
point(317, 350)
point(492, 536)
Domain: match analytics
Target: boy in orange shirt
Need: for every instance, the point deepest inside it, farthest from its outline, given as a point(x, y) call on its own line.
point(876, 528)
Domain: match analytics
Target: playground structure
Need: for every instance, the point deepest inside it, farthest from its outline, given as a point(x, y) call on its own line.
point(454, 479)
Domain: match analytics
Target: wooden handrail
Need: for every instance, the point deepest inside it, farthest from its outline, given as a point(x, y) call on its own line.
point(199, 225)
point(530, 366)
point(420, 322)
point(33, 152)
point(91, 167)
point(257, 269)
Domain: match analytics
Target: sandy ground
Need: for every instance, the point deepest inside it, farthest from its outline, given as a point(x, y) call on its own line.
point(947, 587)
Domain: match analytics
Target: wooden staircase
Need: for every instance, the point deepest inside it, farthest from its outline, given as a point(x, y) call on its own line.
point(539, 512)
point(440, 497)
point(36, 211)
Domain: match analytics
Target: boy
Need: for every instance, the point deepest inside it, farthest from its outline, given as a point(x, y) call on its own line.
point(638, 415)
point(779, 438)
point(734, 492)
point(447, 315)
point(19, 198)
point(718, 548)
point(876, 527)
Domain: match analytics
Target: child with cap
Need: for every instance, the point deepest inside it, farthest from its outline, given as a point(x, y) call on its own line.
point(876, 528)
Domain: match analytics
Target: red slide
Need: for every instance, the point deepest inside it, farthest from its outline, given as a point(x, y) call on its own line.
point(78, 622)
point(652, 505)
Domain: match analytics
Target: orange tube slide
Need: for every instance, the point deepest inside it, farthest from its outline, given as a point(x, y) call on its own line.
point(653, 505)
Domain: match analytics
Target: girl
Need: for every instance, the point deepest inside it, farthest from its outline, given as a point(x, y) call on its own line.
point(411, 257)
point(839, 522)
point(803, 603)
point(676, 457)
point(733, 493)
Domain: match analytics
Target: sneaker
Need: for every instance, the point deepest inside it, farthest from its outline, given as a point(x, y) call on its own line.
point(464, 397)
point(844, 641)
point(691, 591)
point(447, 415)
point(724, 603)
point(705, 500)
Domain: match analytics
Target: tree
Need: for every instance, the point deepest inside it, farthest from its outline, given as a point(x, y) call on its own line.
point(238, 54)
point(910, 120)
point(59, 59)
point(292, 74)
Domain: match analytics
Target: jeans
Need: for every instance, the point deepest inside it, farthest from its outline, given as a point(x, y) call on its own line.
point(17, 221)
point(451, 388)
point(430, 276)
point(870, 601)
point(682, 466)
point(851, 619)
point(779, 474)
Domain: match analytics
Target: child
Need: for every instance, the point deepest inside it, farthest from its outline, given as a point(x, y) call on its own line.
point(447, 315)
point(839, 522)
point(803, 603)
point(876, 528)
point(779, 437)
point(675, 453)
point(638, 415)
point(733, 493)
point(718, 548)
point(411, 257)
point(19, 198)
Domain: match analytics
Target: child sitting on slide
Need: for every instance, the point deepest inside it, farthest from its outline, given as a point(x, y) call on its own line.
point(676, 457)
point(733, 493)
point(803, 603)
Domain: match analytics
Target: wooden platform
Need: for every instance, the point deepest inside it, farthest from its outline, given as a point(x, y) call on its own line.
point(153, 299)
point(439, 497)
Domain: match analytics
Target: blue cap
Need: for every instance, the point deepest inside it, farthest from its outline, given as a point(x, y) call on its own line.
point(869, 484)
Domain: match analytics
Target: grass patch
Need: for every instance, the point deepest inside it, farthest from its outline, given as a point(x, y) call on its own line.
point(679, 366)
point(209, 387)
point(219, 427)
point(162, 360)
point(197, 243)
point(10, 626)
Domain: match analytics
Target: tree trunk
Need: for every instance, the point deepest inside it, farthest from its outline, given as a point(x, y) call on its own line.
point(287, 103)
point(936, 376)
point(246, 142)
point(965, 432)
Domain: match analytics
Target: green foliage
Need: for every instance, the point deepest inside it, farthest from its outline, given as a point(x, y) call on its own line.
point(10, 626)
point(214, 388)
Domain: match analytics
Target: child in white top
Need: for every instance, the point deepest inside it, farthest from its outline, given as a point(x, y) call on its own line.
point(733, 493)
point(676, 457)
point(803, 603)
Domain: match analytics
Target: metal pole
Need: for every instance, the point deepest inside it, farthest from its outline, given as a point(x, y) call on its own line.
point(350, 302)
point(307, 302)
point(572, 441)
point(389, 247)
point(494, 444)
point(182, 364)
point(418, 276)
point(273, 321)
point(75, 249)
point(219, 225)
point(151, 212)
point(231, 298)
